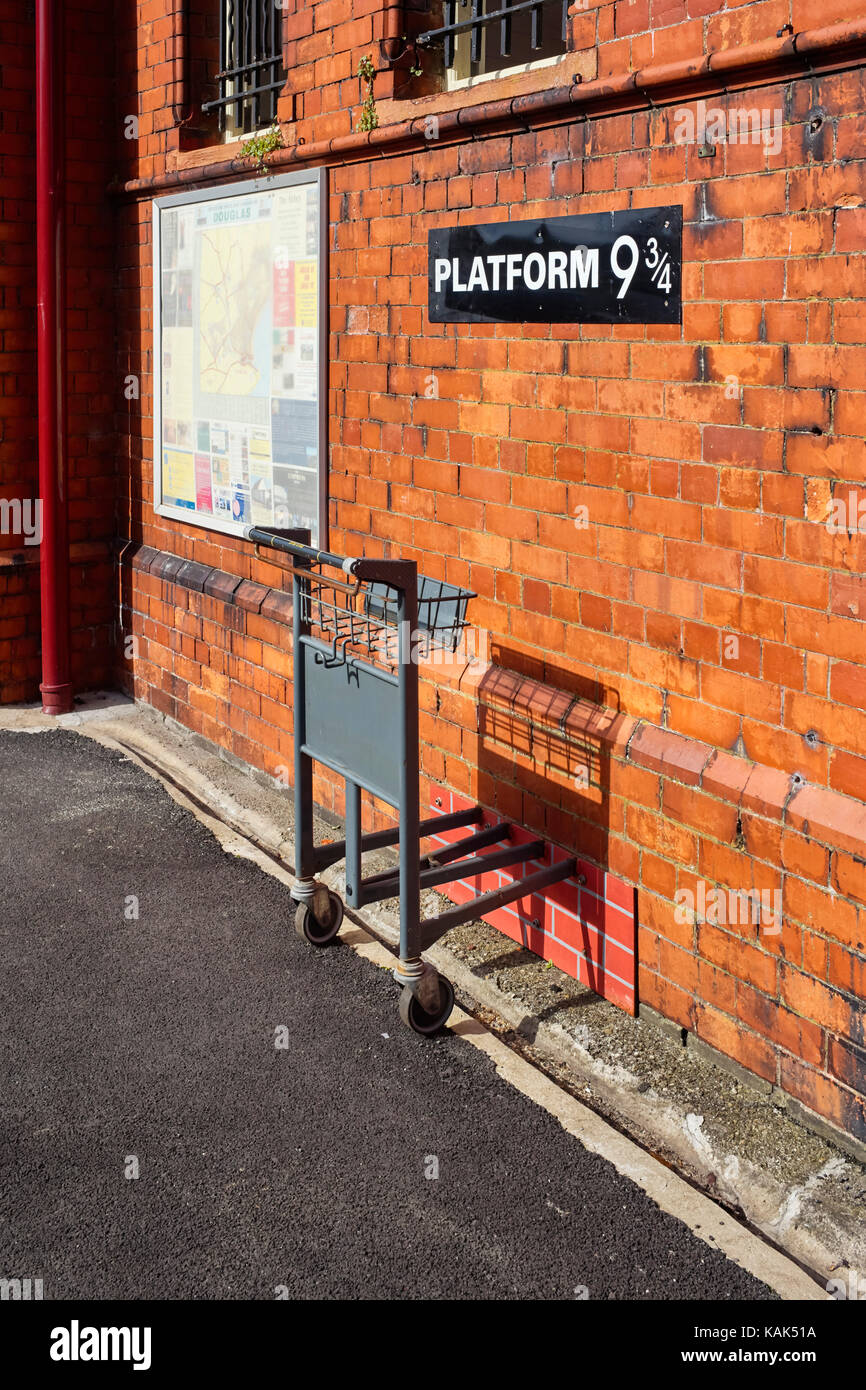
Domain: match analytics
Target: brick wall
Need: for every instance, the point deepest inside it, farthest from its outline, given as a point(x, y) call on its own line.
point(91, 374)
point(676, 647)
point(706, 458)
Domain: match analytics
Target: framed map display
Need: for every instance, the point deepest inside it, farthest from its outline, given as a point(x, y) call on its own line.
point(240, 355)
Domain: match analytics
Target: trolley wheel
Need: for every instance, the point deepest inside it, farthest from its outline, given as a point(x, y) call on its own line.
point(321, 930)
point(418, 1018)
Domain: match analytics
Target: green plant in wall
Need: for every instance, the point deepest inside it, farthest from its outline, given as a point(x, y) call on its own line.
point(369, 117)
point(259, 146)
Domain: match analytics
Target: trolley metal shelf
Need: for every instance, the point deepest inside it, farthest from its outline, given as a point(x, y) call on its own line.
point(360, 627)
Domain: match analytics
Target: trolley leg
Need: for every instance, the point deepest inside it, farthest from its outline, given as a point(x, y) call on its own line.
point(319, 912)
point(427, 998)
point(303, 814)
point(353, 843)
point(305, 887)
point(410, 816)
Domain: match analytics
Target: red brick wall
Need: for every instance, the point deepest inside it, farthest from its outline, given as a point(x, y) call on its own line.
point(635, 33)
point(706, 458)
point(93, 383)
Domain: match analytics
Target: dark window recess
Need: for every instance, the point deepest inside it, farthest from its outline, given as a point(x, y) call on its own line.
point(480, 36)
point(251, 73)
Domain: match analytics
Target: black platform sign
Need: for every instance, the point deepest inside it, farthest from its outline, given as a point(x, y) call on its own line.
point(606, 267)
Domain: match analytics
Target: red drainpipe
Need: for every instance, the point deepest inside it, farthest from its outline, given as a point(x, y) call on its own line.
point(51, 356)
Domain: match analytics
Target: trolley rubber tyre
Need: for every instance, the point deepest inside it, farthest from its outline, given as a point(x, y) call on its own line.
point(313, 929)
point(418, 1019)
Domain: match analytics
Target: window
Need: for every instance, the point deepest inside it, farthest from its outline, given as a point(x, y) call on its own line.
point(481, 37)
point(251, 73)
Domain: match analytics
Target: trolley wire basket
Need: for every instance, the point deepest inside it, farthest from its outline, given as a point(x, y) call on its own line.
point(361, 617)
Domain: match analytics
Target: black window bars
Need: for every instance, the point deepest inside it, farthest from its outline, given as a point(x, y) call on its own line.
point(502, 15)
point(251, 72)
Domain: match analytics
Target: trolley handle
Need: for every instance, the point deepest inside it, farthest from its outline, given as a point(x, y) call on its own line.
point(290, 545)
point(398, 574)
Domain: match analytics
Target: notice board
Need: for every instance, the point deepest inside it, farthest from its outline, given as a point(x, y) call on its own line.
point(240, 355)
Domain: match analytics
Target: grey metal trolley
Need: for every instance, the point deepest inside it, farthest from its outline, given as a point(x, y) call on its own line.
point(360, 627)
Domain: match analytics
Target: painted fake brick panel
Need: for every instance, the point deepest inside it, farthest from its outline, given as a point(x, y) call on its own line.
point(585, 925)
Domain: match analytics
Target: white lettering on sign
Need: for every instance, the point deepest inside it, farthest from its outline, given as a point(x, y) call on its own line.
point(478, 275)
point(624, 273)
point(441, 272)
point(583, 264)
point(601, 267)
point(557, 263)
point(537, 270)
point(537, 276)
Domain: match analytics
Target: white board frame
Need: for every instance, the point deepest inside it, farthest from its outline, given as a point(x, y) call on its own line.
point(319, 178)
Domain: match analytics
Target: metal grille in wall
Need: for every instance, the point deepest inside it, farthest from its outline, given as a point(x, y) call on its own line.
point(480, 36)
point(251, 73)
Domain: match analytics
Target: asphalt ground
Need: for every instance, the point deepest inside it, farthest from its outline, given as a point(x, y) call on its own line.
point(147, 1043)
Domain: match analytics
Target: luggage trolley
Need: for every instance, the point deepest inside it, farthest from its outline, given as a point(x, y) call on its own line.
point(360, 627)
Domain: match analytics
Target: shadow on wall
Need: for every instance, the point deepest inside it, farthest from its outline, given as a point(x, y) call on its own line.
point(543, 755)
point(543, 751)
